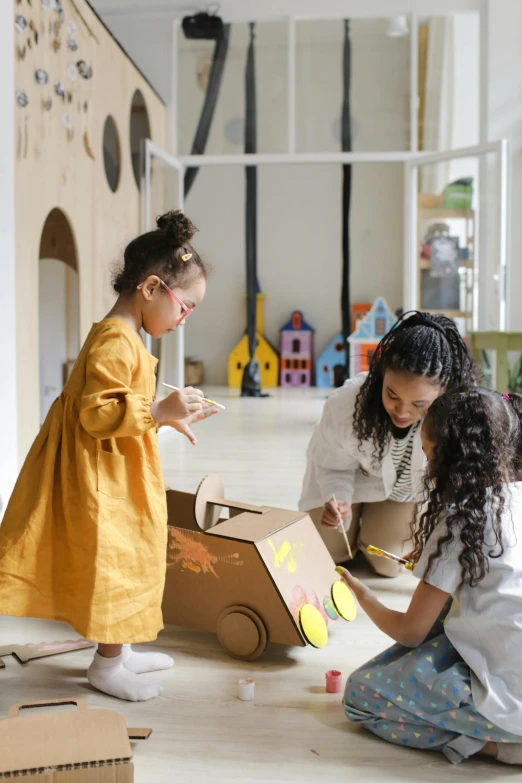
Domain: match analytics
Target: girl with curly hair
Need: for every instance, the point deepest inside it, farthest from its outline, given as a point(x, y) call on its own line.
point(366, 451)
point(84, 536)
point(453, 681)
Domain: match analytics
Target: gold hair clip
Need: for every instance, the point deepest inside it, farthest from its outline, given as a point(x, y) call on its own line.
point(186, 257)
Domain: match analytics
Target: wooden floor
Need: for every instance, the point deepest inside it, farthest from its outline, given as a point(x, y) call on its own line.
point(293, 730)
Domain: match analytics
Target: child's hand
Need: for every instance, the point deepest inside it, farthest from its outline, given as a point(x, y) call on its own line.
point(177, 406)
point(335, 513)
point(361, 591)
point(183, 425)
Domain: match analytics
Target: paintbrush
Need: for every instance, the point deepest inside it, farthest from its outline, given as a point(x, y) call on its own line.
point(374, 550)
point(341, 528)
point(210, 402)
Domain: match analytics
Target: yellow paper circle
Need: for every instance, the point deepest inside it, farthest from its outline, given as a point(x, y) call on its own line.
point(313, 626)
point(343, 600)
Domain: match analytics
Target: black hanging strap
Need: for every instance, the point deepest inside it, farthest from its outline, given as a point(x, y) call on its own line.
point(251, 384)
point(209, 105)
point(346, 131)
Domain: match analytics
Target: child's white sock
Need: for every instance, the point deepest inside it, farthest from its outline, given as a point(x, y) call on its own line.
point(110, 676)
point(142, 662)
point(509, 753)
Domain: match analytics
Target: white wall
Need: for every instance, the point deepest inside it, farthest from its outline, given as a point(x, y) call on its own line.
point(58, 327)
point(505, 120)
point(299, 207)
point(8, 399)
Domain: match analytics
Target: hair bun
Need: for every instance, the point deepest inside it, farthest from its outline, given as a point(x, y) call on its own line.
point(177, 226)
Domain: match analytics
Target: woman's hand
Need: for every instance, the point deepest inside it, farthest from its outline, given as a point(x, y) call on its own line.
point(183, 425)
point(361, 591)
point(336, 513)
point(177, 406)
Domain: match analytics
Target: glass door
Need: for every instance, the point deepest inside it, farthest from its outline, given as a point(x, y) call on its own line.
point(161, 189)
point(456, 228)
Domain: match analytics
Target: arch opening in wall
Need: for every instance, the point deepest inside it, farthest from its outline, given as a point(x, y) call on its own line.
point(59, 307)
point(111, 153)
point(139, 129)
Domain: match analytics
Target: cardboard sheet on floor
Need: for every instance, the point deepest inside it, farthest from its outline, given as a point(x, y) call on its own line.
point(245, 578)
point(30, 652)
point(80, 746)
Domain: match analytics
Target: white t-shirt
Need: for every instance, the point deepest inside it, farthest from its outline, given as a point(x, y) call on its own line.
point(485, 622)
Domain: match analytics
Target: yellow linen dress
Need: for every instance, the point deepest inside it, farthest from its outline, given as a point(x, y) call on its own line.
point(84, 536)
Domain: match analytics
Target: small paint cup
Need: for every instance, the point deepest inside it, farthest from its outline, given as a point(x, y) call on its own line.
point(246, 689)
point(333, 681)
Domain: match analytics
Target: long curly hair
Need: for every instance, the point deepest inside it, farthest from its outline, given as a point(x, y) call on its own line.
point(419, 343)
point(476, 434)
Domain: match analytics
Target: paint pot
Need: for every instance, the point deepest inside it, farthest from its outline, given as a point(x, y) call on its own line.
point(333, 681)
point(246, 689)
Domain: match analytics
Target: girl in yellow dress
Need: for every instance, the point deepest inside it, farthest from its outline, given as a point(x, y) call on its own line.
point(83, 539)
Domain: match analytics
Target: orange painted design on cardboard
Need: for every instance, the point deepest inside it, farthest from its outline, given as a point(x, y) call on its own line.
point(188, 550)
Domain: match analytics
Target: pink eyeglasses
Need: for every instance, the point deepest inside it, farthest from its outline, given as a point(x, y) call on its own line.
point(185, 311)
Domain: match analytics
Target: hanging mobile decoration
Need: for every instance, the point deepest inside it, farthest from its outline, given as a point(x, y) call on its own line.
point(72, 72)
point(21, 24)
point(59, 89)
point(41, 76)
point(20, 52)
point(59, 10)
point(67, 121)
point(47, 104)
point(72, 44)
point(84, 70)
point(71, 30)
point(48, 5)
point(21, 98)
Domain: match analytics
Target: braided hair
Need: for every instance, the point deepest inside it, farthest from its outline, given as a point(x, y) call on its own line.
point(421, 344)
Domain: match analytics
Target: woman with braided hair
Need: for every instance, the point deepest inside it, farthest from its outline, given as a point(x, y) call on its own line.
point(365, 461)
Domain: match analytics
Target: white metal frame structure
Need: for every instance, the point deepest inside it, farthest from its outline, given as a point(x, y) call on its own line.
point(501, 150)
point(411, 158)
point(150, 151)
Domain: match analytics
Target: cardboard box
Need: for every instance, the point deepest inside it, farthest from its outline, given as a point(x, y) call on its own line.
point(65, 747)
point(248, 577)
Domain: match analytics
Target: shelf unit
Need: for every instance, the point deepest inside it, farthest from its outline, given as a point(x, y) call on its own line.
point(437, 213)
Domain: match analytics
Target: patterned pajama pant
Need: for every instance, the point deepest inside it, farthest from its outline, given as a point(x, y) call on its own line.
point(421, 699)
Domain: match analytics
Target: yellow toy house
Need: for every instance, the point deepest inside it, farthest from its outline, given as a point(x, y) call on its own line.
point(265, 354)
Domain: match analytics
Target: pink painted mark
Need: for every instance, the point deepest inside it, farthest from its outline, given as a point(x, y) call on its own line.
point(472, 719)
point(431, 729)
point(300, 598)
point(401, 720)
point(430, 687)
point(453, 714)
point(334, 680)
point(362, 687)
point(382, 714)
point(399, 670)
point(401, 727)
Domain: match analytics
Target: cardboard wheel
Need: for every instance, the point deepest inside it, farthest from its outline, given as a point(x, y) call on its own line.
point(313, 626)
point(241, 633)
point(344, 600)
point(205, 513)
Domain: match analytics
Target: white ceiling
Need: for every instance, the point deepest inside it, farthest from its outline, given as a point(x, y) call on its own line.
point(241, 10)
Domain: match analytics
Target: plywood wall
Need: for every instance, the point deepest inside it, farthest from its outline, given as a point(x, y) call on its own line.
point(59, 164)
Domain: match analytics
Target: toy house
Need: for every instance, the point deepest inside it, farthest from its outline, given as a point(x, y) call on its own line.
point(265, 354)
point(263, 575)
point(296, 352)
point(334, 355)
point(370, 331)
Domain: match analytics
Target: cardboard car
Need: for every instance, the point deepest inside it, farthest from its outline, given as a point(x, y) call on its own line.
point(262, 575)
